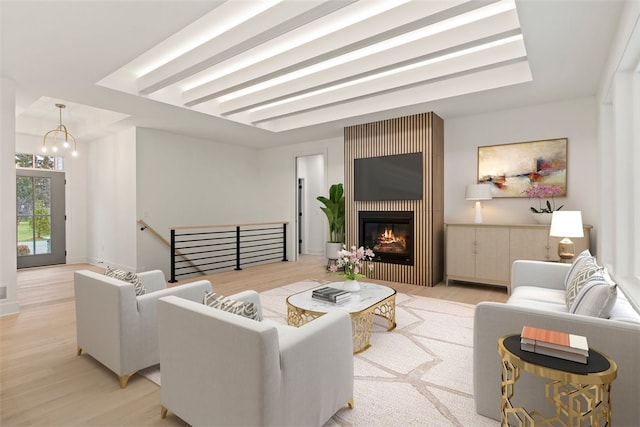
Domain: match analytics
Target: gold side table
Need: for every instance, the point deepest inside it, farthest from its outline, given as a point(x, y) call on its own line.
point(580, 392)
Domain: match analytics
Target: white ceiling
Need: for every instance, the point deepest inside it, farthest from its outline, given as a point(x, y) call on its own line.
point(94, 56)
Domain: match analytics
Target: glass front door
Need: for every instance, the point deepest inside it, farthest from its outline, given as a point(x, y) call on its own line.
point(40, 218)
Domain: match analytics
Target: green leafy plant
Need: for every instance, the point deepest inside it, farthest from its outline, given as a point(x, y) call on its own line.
point(334, 210)
point(42, 220)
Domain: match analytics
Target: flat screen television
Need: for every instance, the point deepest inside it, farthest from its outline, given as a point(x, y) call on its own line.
point(397, 177)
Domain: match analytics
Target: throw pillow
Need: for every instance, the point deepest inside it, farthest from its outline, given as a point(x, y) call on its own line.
point(597, 297)
point(129, 277)
point(584, 268)
point(246, 309)
point(576, 261)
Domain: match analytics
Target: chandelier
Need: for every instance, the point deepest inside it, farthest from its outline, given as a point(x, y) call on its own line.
point(59, 136)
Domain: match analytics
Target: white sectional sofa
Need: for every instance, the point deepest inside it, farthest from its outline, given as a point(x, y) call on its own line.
point(538, 299)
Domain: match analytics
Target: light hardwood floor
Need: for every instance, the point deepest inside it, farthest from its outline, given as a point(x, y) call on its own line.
point(44, 383)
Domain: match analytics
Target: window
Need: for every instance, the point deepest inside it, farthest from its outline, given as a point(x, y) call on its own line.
point(39, 161)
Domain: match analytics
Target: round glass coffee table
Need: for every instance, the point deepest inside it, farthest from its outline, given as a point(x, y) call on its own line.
point(371, 300)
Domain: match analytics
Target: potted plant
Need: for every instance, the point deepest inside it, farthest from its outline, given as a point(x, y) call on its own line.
point(334, 210)
point(541, 191)
point(353, 263)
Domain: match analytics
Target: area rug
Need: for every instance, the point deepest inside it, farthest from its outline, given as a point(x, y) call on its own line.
point(419, 374)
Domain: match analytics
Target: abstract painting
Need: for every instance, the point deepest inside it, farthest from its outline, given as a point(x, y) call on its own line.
point(512, 169)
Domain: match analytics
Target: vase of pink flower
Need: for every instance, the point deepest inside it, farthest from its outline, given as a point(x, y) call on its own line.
point(354, 262)
point(545, 209)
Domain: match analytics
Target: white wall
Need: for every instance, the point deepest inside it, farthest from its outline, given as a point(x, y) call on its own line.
point(189, 181)
point(111, 200)
point(8, 263)
point(311, 170)
point(574, 119)
point(277, 174)
point(183, 181)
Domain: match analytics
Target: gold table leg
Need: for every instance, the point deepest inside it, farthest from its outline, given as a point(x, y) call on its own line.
point(575, 403)
point(510, 415)
point(361, 322)
point(387, 309)
point(578, 403)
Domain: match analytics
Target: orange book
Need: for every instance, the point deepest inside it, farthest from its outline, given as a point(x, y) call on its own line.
point(554, 340)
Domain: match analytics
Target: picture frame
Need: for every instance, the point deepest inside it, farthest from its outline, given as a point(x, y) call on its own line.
point(512, 169)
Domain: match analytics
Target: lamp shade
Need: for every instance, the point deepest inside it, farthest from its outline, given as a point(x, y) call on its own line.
point(478, 192)
point(566, 224)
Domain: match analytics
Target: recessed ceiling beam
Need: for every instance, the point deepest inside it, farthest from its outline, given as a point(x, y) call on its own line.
point(411, 98)
point(274, 63)
point(280, 19)
point(439, 67)
point(476, 33)
point(400, 20)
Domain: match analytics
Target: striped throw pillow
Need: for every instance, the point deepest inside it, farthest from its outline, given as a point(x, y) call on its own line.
point(129, 277)
point(581, 272)
point(597, 296)
point(242, 308)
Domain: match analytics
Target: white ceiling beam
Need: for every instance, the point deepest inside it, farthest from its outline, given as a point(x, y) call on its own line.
point(511, 74)
point(183, 40)
point(279, 19)
point(371, 85)
point(473, 33)
point(403, 18)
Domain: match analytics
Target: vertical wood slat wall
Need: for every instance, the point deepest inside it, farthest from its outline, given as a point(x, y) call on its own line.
point(418, 133)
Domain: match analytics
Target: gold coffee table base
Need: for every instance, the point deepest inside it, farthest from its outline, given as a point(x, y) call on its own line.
point(361, 321)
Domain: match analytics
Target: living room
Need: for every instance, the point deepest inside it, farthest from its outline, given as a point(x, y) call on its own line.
point(141, 172)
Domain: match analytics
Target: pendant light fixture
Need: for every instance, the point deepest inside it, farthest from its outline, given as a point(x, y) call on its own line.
point(59, 136)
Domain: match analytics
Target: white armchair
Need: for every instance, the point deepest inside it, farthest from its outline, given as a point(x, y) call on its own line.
point(118, 328)
point(222, 369)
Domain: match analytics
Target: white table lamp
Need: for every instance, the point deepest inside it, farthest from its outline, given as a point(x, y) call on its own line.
point(566, 224)
point(478, 192)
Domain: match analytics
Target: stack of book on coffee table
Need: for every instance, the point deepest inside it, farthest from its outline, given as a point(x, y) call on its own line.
point(330, 294)
point(553, 343)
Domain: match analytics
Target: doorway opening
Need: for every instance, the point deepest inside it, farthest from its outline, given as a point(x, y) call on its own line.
point(310, 223)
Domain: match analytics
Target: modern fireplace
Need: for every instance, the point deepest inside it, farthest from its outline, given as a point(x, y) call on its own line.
point(389, 234)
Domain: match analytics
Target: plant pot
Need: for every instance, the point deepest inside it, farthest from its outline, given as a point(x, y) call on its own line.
point(331, 250)
point(351, 285)
point(542, 218)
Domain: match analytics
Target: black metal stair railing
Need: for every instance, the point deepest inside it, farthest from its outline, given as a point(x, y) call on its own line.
point(206, 249)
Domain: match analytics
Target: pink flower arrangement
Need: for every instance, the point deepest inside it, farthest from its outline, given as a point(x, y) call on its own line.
point(353, 261)
point(542, 191)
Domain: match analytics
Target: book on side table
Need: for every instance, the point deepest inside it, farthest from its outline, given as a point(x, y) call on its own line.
point(330, 294)
point(554, 343)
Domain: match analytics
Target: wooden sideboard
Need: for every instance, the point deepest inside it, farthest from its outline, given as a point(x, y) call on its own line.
point(483, 253)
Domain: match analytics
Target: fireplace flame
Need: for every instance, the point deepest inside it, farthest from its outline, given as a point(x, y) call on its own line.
point(389, 242)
